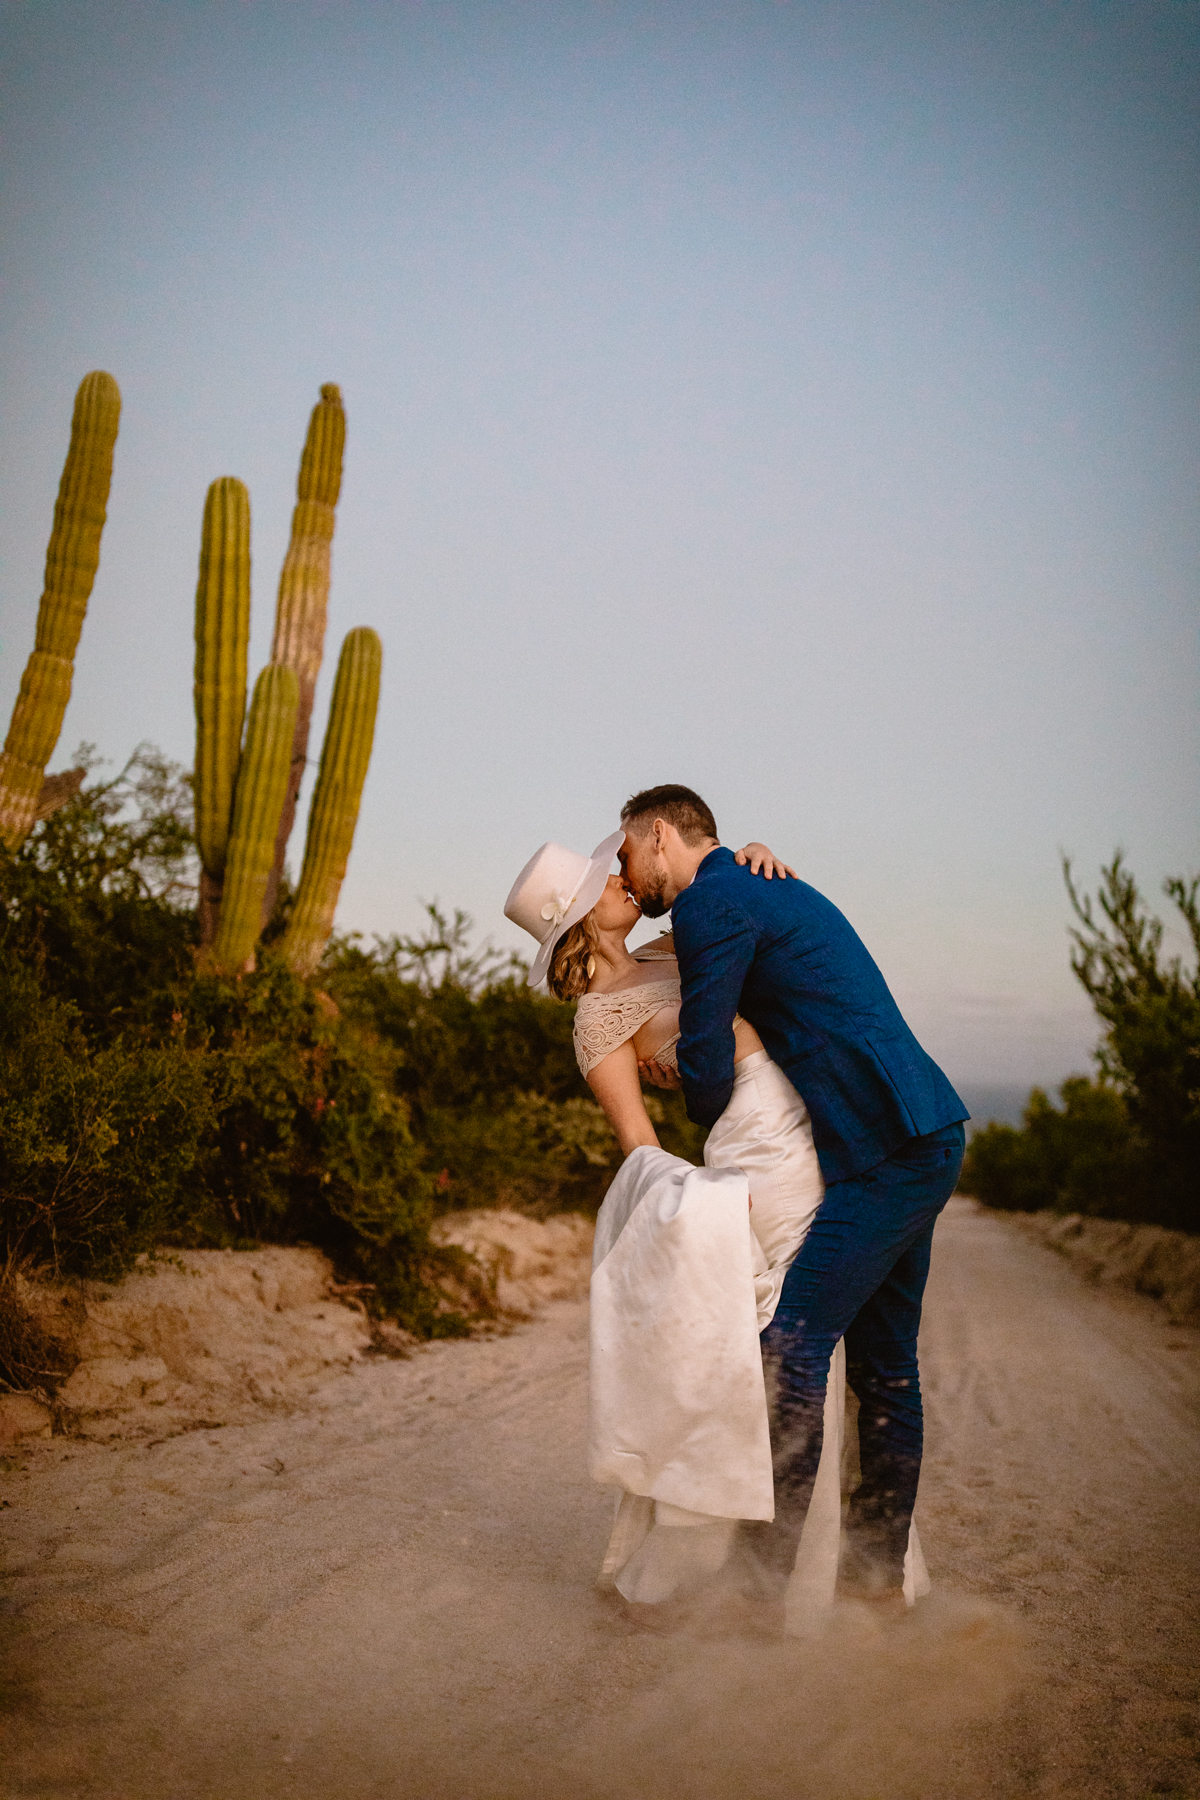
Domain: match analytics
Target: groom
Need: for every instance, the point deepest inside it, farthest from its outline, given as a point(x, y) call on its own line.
point(888, 1131)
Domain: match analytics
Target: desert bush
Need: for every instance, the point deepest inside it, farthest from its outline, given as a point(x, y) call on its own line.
point(1076, 1157)
point(311, 1142)
point(100, 899)
point(36, 1348)
point(486, 1067)
point(529, 1152)
point(144, 1104)
point(104, 1104)
point(1125, 1145)
point(1149, 1006)
point(99, 1143)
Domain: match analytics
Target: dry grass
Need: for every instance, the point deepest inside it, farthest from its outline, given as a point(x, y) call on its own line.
point(39, 1325)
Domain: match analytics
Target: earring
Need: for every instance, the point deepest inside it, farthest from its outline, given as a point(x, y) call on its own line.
point(591, 967)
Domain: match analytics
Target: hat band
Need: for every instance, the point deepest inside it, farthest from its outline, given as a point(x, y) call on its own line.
point(556, 910)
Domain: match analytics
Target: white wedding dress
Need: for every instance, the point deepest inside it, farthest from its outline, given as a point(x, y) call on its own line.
point(685, 1275)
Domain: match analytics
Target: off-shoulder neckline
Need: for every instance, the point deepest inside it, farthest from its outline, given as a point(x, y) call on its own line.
point(639, 987)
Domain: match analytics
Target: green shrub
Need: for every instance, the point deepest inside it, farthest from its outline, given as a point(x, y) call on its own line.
point(100, 898)
point(1128, 1144)
point(536, 1154)
point(142, 1104)
point(1149, 1005)
point(487, 1069)
point(1079, 1157)
point(311, 1142)
point(100, 1146)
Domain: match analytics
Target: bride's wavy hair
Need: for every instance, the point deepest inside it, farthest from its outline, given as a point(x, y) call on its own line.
point(567, 976)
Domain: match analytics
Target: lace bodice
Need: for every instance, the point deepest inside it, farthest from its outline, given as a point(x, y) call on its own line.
point(603, 1022)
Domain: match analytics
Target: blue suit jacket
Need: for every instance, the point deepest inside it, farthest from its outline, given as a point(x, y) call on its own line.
point(786, 959)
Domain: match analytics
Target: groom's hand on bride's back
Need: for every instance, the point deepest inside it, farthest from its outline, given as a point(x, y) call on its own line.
point(658, 1074)
point(763, 862)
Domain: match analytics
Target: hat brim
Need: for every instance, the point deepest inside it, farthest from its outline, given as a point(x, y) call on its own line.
point(586, 896)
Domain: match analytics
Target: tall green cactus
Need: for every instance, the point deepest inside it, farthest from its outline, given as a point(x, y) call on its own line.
point(72, 558)
point(299, 641)
point(245, 804)
point(222, 637)
point(334, 812)
point(261, 786)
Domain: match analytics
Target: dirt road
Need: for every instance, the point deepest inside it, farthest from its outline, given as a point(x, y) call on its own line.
point(387, 1596)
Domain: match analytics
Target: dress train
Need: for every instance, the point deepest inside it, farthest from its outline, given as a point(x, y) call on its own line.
point(681, 1287)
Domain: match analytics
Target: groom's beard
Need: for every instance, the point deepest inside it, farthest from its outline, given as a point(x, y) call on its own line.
point(653, 901)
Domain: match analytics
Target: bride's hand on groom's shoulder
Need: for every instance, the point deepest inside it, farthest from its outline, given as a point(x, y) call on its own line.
point(763, 862)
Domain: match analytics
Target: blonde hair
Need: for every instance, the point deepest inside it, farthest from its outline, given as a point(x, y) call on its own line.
point(567, 977)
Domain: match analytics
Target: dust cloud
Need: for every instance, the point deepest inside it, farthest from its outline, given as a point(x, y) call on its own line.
point(867, 1712)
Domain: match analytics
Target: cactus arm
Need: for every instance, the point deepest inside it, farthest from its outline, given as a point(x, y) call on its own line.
point(299, 641)
point(334, 812)
point(36, 722)
point(41, 701)
point(73, 554)
point(258, 797)
point(72, 558)
point(222, 639)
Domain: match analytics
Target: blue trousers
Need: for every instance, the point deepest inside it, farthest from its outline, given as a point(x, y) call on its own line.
point(860, 1274)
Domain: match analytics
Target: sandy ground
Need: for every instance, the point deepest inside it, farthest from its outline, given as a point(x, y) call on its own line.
point(387, 1594)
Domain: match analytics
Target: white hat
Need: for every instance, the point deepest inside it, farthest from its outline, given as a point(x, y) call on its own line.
point(556, 889)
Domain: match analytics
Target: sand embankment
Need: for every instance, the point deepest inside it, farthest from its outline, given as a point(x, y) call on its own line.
point(388, 1588)
point(196, 1337)
point(1147, 1258)
point(527, 1262)
point(205, 1338)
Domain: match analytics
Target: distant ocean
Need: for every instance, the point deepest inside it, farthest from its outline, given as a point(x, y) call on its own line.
point(1001, 1101)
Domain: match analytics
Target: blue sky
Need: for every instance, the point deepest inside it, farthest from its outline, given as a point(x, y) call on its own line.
point(798, 400)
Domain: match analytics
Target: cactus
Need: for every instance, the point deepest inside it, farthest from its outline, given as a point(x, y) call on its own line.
point(36, 721)
point(334, 811)
point(222, 636)
point(299, 641)
point(72, 558)
point(245, 807)
point(261, 785)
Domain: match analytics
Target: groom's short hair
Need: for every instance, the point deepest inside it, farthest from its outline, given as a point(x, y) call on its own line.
point(679, 806)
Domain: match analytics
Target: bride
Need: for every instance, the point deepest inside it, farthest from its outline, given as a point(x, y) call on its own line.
point(688, 1264)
